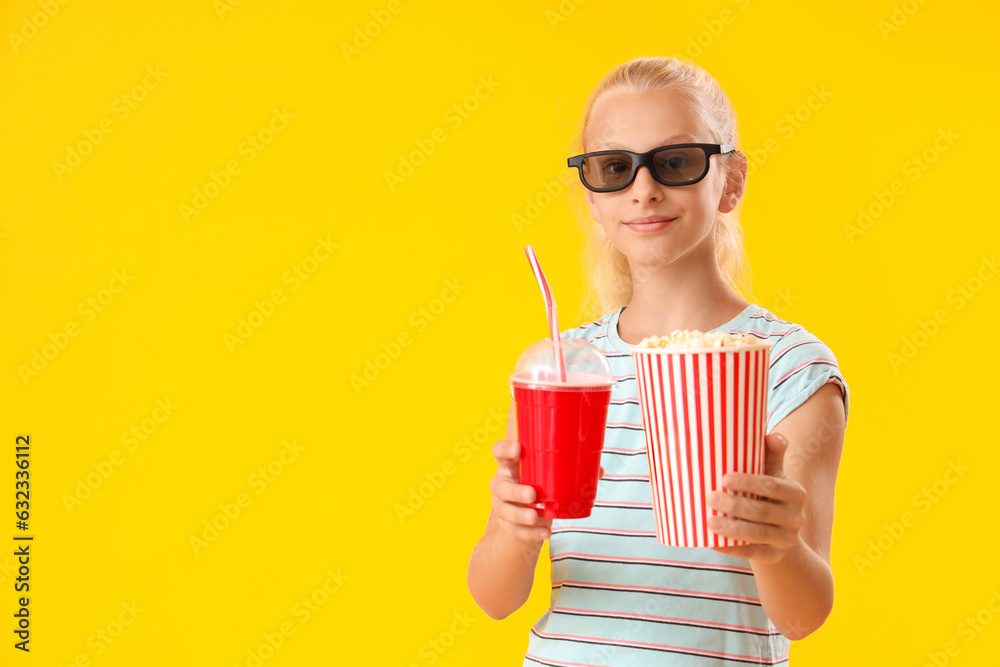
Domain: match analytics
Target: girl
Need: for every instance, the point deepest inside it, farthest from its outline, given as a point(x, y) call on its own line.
point(663, 183)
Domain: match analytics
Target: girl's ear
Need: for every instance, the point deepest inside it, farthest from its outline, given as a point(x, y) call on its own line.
point(736, 181)
point(592, 205)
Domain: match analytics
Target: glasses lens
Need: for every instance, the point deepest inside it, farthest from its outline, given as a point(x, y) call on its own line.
point(679, 165)
point(607, 171)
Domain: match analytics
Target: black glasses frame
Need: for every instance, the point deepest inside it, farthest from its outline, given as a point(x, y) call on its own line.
point(646, 159)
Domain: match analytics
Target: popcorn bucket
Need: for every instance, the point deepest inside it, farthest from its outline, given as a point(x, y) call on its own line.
point(704, 411)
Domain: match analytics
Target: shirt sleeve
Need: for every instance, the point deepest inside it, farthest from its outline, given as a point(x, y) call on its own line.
point(800, 365)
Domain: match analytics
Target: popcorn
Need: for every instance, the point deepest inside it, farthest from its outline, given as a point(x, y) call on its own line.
point(692, 338)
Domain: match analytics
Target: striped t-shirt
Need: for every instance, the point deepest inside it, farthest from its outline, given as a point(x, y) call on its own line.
point(619, 597)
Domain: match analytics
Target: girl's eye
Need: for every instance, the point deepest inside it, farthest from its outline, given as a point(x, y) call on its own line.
point(616, 167)
point(673, 163)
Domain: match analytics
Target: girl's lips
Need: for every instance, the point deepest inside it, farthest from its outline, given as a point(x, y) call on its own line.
point(651, 223)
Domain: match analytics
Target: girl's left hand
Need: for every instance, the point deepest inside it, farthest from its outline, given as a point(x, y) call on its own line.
point(770, 523)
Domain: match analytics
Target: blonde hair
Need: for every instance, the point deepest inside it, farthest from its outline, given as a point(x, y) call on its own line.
point(611, 280)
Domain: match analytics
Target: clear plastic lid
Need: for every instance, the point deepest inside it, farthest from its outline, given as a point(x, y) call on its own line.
point(586, 366)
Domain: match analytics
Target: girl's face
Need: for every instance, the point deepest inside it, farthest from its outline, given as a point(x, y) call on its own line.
point(650, 223)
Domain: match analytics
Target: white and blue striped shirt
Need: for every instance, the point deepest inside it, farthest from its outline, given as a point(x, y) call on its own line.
point(621, 598)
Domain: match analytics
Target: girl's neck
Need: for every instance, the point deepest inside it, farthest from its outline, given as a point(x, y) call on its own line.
point(683, 295)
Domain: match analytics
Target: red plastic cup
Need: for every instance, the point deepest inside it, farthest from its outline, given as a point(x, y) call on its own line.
point(561, 431)
point(560, 425)
point(704, 411)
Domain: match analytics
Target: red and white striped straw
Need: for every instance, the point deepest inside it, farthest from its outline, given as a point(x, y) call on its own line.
point(550, 310)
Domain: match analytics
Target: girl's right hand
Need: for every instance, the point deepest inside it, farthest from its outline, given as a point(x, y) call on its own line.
point(509, 497)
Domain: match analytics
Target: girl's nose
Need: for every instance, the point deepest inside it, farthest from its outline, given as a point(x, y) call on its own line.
point(645, 187)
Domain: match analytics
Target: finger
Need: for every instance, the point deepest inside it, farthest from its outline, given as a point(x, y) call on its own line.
point(527, 533)
point(763, 553)
point(518, 515)
point(742, 551)
point(775, 446)
point(755, 533)
point(778, 489)
point(506, 450)
point(738, 507)
point(509, 491)
point(507, 454)
point(756, 510)
point(600, 473)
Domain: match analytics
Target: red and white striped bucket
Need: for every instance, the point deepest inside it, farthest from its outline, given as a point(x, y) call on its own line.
point(704, 411)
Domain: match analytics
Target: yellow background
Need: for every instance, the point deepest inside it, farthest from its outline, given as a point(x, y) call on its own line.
point(445, 240)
